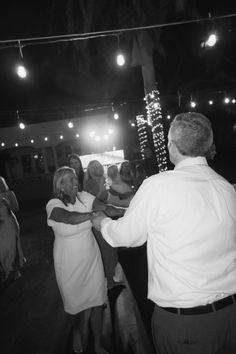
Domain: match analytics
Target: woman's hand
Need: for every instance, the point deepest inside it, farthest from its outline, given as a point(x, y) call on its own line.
point(97, 219)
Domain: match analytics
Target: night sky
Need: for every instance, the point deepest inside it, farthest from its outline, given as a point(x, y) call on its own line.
point(65, 76)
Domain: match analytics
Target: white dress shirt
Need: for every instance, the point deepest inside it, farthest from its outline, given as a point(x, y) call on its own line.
point(188, 218)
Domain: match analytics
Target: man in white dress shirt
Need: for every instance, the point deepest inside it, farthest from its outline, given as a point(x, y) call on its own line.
point(188, 218)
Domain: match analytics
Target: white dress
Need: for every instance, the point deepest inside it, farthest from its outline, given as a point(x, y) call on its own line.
point(77, 259)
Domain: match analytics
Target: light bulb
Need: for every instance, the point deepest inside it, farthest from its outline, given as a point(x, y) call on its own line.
point(211, 41)
point(120, 59)
point(22, 126)
point(21, 71)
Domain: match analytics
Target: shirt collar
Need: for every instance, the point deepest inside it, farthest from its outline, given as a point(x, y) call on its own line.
point(191, 161)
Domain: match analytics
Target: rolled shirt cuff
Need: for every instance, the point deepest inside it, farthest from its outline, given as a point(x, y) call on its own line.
point(104, 230)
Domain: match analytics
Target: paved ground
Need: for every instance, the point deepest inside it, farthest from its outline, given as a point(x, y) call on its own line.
point(31, 311)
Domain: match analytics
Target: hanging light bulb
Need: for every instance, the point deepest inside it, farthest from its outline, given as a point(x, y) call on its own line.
point(193, 104)
point(120, 59)
point(20, 69)
point(21, 125)
point(211, 40)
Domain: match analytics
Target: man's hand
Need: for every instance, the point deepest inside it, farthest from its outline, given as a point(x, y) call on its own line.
point(97, 219)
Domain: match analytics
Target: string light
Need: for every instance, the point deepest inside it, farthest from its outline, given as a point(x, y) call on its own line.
point(211, 40)
point(142, 134)
point(20, 69)
point(154, 116)
point(193, 104)
point(120, 59)
point(70, 125)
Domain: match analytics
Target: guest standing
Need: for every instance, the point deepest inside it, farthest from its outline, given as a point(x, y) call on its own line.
point(127, 174)
point(188, 217)
point(118, 187)
point(74, 162)
point(94, 183)
point(11, 254)
point(77, 259)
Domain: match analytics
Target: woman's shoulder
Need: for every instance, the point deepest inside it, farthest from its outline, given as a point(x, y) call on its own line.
point(54, 202)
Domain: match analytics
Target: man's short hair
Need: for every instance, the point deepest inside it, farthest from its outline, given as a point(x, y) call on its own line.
point(192, 134)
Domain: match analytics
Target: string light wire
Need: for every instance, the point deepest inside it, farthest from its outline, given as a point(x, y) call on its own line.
point(90, 35)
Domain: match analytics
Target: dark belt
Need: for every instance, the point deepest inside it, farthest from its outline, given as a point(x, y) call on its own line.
point(215, 306)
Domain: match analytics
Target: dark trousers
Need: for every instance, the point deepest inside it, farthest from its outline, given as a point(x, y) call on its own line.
point(109, 255)
point(211, 333)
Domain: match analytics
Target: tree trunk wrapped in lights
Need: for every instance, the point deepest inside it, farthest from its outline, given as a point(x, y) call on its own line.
point(154, 118)
point(142, 55)
point(142, 134)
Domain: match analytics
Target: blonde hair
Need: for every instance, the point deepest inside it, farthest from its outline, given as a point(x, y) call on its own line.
point(60, 173)
point(112, 171)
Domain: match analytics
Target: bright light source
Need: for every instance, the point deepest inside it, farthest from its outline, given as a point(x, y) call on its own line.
point(116, 116)
point(210, 102)
point(168, 116)
point(92, 134)
point(77, 135)
point(70, 125)
point(155, 105)
point(46, 138)
point(97, 138)
point(226, 100)
point(22, 125)
point(61, 137)
point(193, 104)
point(132, 124)
point(21, 71)
point(36, 157)
point(114, 148)
point(233, 100)
point(16, 144)
point(211, 41)
point(2, 144)
point(32, 141)
point(120, 59)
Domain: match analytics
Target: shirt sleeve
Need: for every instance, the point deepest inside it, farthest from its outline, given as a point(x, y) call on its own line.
point(53, 203)
point(87, 199)
point(60, 228)
point(131, 230)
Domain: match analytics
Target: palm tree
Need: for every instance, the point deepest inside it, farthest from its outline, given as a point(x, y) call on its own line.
point(87, 16)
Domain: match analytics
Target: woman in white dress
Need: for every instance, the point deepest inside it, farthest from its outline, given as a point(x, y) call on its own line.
point(77, 259)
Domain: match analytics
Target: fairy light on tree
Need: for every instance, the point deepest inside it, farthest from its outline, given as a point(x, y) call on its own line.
point(142, 134)
point(154, 116)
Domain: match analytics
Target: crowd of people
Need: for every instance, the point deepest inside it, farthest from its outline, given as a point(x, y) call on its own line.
point(187, 218)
